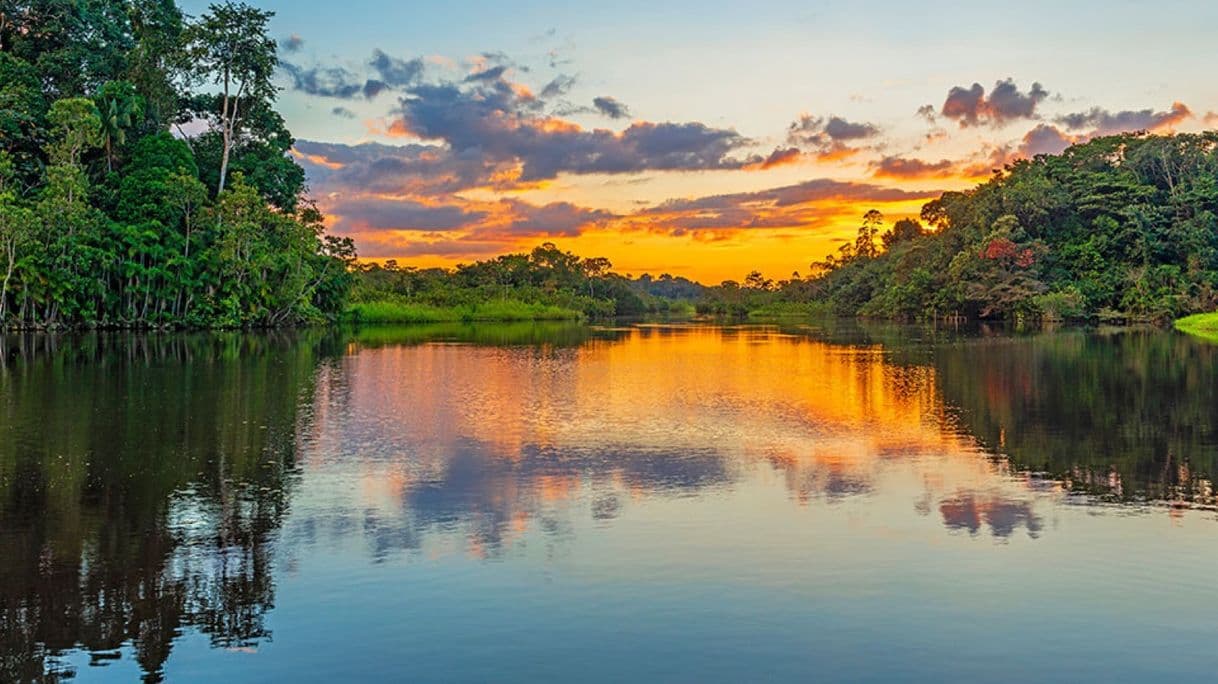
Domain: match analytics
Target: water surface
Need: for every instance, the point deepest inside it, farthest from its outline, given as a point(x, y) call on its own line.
point(660, 502)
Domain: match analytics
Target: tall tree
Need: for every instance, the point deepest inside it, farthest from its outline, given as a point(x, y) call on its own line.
point(16, 229)
point(159, 60)
point(864, 245)
point(75, 129)
point(230, 48)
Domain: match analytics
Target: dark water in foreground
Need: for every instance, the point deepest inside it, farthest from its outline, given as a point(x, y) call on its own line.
point(677, 503)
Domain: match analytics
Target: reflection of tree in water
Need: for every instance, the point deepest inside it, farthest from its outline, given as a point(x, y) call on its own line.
point(1121, 415)
point(1126, 416)
point(142, 481)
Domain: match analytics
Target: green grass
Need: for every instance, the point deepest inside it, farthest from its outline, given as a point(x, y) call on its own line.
point(790, 310)
point(492, 333)
point(498, 310)
point(1204, 326)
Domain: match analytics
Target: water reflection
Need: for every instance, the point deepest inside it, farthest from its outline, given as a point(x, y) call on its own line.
point(141, 482)
point(153, 487)
point(1124, 415)
point(971, 510)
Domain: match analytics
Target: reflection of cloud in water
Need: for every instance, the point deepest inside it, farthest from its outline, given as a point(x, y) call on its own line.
point(475, 480)
point(818, 479)
point(485, 442)
point(489, 498)
point(969, 510)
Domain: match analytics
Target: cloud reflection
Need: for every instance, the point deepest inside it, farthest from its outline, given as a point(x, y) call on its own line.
point(489, 444)
point(971, 510)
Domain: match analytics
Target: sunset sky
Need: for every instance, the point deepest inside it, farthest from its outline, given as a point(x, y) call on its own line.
point(703, 139)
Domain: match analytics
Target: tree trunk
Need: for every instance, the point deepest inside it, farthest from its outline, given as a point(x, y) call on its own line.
point(224, 159)
point(226, 129)
point(8, 274)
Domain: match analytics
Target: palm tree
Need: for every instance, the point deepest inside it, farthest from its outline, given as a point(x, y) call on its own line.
point(119, 106)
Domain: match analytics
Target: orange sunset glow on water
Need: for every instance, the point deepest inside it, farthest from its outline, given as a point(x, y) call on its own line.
point(712, 405)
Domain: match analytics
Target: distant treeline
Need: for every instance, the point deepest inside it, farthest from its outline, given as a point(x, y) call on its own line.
point(145, 179)
point(1119, 228)
point(545, 283)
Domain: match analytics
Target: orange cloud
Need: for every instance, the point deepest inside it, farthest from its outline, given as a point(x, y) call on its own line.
point(392, 128)
point(902, 168)
point(315, 159)
point(837, 153)
point(779, 157)
point(1179, 114)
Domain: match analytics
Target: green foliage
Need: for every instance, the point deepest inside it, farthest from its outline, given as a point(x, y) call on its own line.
point(108, 220)
point(74, 45)
point(75, 129)
point(1061, 305)
point(23, 111)
point(229, 47)
point(159, 59)
point(120, 107)
point(545, 283)
point(17, 226)
point(790, 309)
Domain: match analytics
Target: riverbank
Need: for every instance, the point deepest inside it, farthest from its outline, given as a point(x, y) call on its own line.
point(1204, 326)
point(506, 310)
point(791, 310)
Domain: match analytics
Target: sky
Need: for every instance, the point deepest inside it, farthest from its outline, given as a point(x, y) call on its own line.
point(703, 139)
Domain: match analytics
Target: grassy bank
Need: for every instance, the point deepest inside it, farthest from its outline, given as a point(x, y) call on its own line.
point(791, 310)
point(514, 333)
point(498, 310)
point(1204, 326)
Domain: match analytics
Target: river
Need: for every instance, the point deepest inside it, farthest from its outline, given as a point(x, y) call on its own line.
point(675, 502)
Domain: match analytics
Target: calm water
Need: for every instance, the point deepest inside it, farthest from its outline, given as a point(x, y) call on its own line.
point(677, 503)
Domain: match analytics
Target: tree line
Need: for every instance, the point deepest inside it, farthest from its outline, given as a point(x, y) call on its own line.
point(546, 275)
point(95, 557)
point(1118, 228)
point(145, 179)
